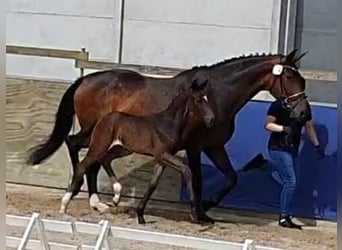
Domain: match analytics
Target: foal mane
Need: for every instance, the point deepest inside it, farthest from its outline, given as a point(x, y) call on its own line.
point(177, 96)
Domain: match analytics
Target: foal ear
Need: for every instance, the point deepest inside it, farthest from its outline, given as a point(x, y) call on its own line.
point(199, 82)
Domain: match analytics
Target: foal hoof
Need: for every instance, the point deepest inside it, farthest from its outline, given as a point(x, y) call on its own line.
point(141, 219)
point(116, 200)
point(207, 205)
point(101, 208)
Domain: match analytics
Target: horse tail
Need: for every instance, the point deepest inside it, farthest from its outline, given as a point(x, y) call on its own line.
point(63, 124)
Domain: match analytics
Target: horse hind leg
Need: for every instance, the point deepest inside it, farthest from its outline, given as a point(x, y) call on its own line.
point(74, 144)
point(94, 200)
point(76, 182)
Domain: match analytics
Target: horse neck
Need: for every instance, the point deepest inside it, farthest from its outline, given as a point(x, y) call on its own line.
point(242, 87)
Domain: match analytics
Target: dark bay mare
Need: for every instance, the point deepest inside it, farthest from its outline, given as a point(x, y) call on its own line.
point(97, 94)
point(158, 135)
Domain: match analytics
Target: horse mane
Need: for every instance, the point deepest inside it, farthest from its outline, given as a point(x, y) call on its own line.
point(228, 60)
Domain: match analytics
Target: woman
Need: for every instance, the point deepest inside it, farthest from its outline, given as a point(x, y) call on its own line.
point(283, 147)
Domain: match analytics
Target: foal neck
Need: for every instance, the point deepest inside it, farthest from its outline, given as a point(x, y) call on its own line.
point(171, 121)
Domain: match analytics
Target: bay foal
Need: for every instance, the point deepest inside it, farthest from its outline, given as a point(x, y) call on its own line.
point(159, 135)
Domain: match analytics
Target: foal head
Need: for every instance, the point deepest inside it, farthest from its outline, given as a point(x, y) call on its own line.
point(198, 104)
point(193, 101)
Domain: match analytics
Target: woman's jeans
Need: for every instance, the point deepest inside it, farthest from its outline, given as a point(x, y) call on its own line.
point(284, 165)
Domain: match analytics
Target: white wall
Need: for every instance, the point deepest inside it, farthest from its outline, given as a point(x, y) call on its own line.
point(63, 24)
point(164, 33)
point(184, 33)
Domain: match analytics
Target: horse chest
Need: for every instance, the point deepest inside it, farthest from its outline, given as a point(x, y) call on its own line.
point(218, 135)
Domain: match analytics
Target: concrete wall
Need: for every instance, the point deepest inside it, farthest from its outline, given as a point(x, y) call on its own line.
point(64, 24)
point(185, 33)
point(168, 33)
point(316, 32)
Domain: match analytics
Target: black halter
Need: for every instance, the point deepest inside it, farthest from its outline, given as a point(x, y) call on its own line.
point(286, 99)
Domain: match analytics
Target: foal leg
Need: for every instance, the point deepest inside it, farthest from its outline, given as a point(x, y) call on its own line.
point(185, 170)
point(194, 162)
point(220, 158)
point(114, 153)
point(158, 171)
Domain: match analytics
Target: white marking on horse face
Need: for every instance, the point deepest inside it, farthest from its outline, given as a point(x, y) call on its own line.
point(205, 98)
point(116, 142)
point(277, 69)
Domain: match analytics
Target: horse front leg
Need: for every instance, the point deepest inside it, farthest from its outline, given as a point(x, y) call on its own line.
point(220, 158)
point(194, 162)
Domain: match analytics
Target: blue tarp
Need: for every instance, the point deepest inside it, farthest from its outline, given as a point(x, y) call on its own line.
point(256, 189)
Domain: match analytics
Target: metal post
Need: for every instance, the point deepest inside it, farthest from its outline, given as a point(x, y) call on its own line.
point(27, 232)
point(41, 232)
point(248, 245)
point(83, 49)
point(290, 26)
point(35, 219)
point(121, 27)
point(103, 236)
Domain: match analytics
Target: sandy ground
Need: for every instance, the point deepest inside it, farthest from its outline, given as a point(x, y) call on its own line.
point(171, 218)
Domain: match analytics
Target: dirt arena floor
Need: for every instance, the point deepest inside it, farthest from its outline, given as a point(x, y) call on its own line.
point(174, 218)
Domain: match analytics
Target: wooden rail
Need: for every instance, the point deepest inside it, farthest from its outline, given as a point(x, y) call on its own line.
point(82, 61)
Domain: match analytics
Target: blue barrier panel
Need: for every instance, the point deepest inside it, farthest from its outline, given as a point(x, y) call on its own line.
point(256, 189)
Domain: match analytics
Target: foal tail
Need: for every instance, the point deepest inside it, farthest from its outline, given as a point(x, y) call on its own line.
point(63, 124)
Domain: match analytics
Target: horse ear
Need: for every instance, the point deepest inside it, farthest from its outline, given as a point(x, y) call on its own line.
point(300, 57)
point(290, 56)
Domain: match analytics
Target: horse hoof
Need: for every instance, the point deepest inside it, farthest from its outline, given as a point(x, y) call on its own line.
point(207, 205)
point(95, 203)
point(205, 219)
point(116, 200)
point(117, 188)
point(202, 219)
